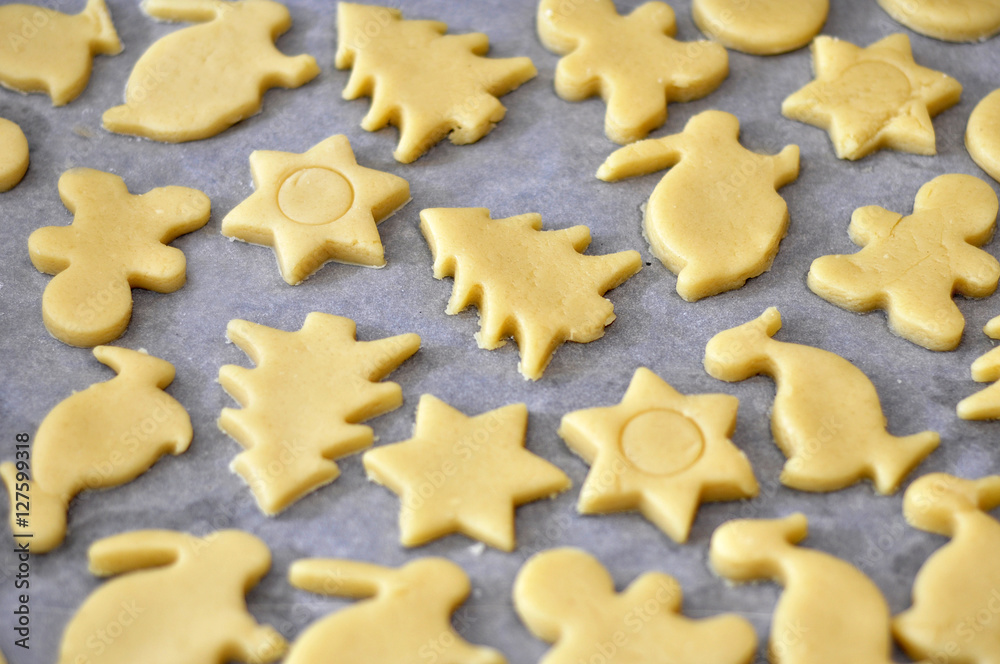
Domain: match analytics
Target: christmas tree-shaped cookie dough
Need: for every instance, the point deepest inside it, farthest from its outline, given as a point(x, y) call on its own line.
point(199, 81)
point(911, 266)
point(666, 451)
point(428, 84)
point(13, 155)
point(829, 613)
point(872, 98)
point(761, 28)
point(101, 437)
point(304, 402)
point(956, 594)
point(529, 284)
point(315, 207)
point(982, 134)
point(178, 600)
point(405, 615)
point(827, 418)
point(43, 50)
point(985, 404)
point(115, 243)
point(948, 20)
point(715, 219)
point(632, 61)
point(566, 597)
point(476, 480)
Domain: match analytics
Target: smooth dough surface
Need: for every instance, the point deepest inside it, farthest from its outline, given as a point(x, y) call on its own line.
point(13, 154)
point(761, 27)
point(982, 135)
point(948, 20)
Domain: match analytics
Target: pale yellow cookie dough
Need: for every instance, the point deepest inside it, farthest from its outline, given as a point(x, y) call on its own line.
point(529, 284)
point(461, 474)
point(984, 404)
point(177, 598)
point(911, 266)
point(13, 155)
point(982, 135)
point(631, 61)
point(826, 418)
point(948, 20)
point(201, 80)
point(315, 207)
point(715, 219)
point(667, 452)
point(566, 597)
point(761, 27)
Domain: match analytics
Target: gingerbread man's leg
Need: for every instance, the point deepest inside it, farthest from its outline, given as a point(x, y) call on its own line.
point(928, 319)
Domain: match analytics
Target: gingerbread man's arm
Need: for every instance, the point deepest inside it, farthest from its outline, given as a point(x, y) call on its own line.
point(871, 223)
point(976, 271)
point(644, 157)
point(662, 589)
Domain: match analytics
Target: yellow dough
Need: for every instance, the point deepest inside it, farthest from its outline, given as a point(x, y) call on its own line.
point(13, 155)
point(985, 404)
point(460, 474)
point(529, 284)
point(115, 243)
point(44, 50)
point(178, 599)
point(428, 84)
point(872, 98)
point(566, 597)
point(715, 220)
point(632, 61)
point(982, 135)
point(304, 402)
point(911, 266)
point(955, 593)
point(315, 207)
point(199, 81)
point(948, 20)
point(405, 615)
point(827, 418)
point(101, 437)
point(829, 613)
point(761, 27)
point(660, 452)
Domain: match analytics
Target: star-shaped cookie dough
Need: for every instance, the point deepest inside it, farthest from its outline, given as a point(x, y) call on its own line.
point(315, 207)
point(460, 474)
point(872, 98)
point(660, 452)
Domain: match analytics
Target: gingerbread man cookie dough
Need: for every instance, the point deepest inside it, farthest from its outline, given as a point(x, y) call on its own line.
point(761, 27)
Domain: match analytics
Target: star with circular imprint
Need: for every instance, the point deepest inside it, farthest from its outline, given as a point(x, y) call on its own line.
point(315, 207)
point(659, 452)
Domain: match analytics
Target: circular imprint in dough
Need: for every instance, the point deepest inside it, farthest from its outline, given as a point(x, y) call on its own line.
point(875, 88)
point(315, 196)
point(982, 136)
point(662, 442)
point(13, 154)
point(948, 20)
point(761, 27)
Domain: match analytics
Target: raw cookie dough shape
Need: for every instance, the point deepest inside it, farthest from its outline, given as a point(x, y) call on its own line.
point(632, 61)
point(102, 437)
point(429, 84)
point(566, 597)
point(476, 481)
point(183, 598)
point(715, 219)
point(304, 402)
point(665, 451)
point(912, 266)
point(958, 584)
point(761, 27)
point(315, 207)
point(872, 98)
point(114, 244)
point(529, 284)
point(984, 404)
point(826, 418)
point(830, 613)
point(201, 80)
point(404, 611)
point(13, 154)
point(47, 51)
point(948, 20)
point(982, 135)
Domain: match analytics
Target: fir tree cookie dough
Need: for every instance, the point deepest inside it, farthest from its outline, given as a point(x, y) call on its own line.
point(982, 135)
point(13, 154)
point(529, 284)
point(44, 50)
point(428, 84)
point(115, 243)
point(761, 27)
point(715, 219)
point(872, 98)
point(667, 452)
point(461, 474)
point(315, 207)
point(948, 20)
point(201, 80)
point(98, 438)
point(985, 404)
point(631, 61)
point(911, 266)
